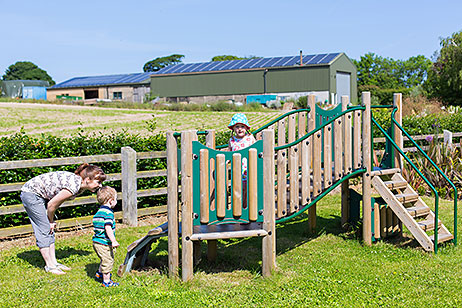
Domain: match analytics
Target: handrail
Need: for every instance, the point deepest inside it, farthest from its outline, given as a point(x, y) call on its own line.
point(435, 246)
point(437, 168)
point(285, 146)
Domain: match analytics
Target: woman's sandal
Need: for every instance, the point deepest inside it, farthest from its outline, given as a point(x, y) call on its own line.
point(54, 270)
point(110, 283)
point(62, 267)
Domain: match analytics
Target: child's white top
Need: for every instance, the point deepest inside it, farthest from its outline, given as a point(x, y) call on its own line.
point(236, 144)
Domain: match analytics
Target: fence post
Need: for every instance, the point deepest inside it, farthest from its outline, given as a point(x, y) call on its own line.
point(398, 135)
point(211, 244)
point(269, 241)
point(129, 203)
point(311, 127)
point(367, 164)
point(187, 249)
point(172, 204)
point(447, 138)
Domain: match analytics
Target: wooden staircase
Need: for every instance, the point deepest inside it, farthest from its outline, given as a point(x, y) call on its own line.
point(410, 209)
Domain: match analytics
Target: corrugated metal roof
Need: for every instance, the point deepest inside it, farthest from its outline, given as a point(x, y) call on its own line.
point(89, 81)
point(317, 59)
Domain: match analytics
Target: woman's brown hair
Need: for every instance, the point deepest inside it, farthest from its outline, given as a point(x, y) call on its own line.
point(90, 171)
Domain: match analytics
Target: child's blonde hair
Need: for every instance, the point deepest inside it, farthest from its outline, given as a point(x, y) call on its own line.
point(105, 194)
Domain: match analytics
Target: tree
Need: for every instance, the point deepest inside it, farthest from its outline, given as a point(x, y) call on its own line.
point(383, 76)
point(230, 57)
point(161, 62)
point(445, 76)
point(24, 70)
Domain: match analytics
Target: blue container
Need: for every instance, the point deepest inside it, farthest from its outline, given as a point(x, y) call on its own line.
point(34, 92)
point(262, 99)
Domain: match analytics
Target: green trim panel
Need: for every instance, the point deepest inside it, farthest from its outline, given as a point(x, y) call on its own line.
point(229, 218)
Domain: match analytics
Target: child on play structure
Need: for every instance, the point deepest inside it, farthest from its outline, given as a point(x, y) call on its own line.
point(104, 241)
point(241, 139)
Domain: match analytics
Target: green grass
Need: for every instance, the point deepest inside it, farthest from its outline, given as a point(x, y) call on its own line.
point(331, 268)
point(64, 120)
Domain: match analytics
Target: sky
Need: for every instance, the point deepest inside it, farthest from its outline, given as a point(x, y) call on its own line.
point(99, 37)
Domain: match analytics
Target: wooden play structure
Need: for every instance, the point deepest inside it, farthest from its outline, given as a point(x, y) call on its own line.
point(298, 159)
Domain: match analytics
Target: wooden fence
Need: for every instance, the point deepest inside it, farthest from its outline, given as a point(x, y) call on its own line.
point(129, 214)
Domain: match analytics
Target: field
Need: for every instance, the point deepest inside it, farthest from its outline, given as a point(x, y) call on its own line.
point(328, 269)
point(66, 120)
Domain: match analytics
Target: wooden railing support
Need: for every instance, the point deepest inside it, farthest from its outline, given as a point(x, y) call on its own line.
point(129, 202)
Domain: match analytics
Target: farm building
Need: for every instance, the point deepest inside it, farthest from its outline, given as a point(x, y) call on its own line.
point(124, 87)
point(328, 76)
point(33, 89)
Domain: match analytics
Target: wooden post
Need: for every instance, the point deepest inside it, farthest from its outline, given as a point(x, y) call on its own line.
point(338, 150)
point(204, 185)
point(186, 208)
point(367, 164)
point(221, 186)
point(293, 167)
point(347, 162)
point(129, 203)
point(357, 139)
point(253, 185)
point(269, 241)
point(282, 170)
point(237, 185)
point(327, 149)
point(211, 244)
point(398, 135)
point(172, 204)
point(313, 155)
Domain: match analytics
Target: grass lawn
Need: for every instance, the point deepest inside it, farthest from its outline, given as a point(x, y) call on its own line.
point(65, 120)
point(329, 269)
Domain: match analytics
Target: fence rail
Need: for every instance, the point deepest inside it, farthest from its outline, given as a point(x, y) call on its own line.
point(128, 195)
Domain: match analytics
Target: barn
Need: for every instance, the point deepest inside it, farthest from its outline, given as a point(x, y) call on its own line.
point(327, 75)
point(122, 87)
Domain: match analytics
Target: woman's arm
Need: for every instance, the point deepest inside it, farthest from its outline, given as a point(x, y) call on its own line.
point(55, 202)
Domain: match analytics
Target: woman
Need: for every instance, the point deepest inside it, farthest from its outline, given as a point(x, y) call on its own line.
point(43, 194)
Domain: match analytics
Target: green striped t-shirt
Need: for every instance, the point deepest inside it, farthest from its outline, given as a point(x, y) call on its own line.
point(104, 216)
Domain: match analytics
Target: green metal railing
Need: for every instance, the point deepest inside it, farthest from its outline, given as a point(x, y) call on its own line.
point(439, 171)
point(390, 139)
point(285, 146)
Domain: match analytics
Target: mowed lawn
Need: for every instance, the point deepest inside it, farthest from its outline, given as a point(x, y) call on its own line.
point(66, 120)
point(330, 268)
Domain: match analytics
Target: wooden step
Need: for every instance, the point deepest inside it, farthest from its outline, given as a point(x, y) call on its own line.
point(429, 224)
point(407, 198)
point(395, 184)
point(442, 237)
point(418, 211)
point(385, 171)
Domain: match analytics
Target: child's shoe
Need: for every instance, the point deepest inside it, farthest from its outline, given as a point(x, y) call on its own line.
point(110, 283)
point(98, 275)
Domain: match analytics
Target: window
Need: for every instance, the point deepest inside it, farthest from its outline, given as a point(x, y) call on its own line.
point(117, 95)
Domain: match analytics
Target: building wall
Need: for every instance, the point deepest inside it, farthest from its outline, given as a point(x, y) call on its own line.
point(344, 64)
point(294, 79)
point(129, 93)
point(52, 93)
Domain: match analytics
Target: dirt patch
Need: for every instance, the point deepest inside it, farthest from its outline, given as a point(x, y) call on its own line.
point(29, 239)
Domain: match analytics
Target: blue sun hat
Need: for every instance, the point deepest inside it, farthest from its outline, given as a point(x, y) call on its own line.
point(239, 118)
